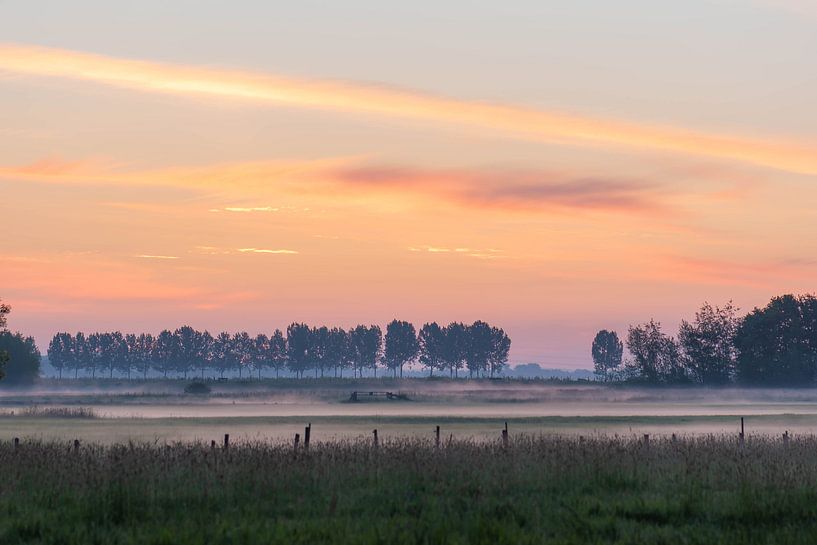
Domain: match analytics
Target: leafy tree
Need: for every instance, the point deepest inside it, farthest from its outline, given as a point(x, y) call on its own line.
point(298, 340)
point(277, 351)
point(607, 350)
point(708, 343)
point(318, 339)
point(22, 359)
point(479, 343)
point(81, 354)
point(777, 345)
point(366, 344)
point(4, 311)
point(656, 355)
point(456, 347)
point(222, 353)
point(261, 353)
point(401, 345)
point(432, 347)
point(500, 348)
point(337, 350)
point(165, 352)
point(145, 350)
point(60, 351)
point(243, 347)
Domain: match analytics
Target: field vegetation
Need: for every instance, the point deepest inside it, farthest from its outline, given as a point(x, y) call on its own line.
point(537, 489)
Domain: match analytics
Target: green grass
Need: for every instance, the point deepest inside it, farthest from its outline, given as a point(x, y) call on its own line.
point(542, 489)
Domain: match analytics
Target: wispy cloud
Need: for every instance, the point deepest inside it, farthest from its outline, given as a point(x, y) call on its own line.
point(489, 253)
point(148, 256)
point(265, 251)
point(519, 122)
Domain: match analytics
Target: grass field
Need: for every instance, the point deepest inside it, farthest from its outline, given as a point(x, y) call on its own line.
point(539, 489)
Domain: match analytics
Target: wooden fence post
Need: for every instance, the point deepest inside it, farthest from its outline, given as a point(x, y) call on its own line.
point(212, 443)
point(374, 432)
point(742, 436)
point(76, 444)
point(297, 441)
point(16, 442)
point(437, 437)
point(505, 436)
point(786, 437)
point(646, 439)
point(307, 433)
point(226, 440)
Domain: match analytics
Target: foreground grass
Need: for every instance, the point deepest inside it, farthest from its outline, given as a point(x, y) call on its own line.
point(539, 489)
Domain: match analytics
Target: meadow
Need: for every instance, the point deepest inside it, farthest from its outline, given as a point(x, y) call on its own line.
point(143, 462)
point(543, 488)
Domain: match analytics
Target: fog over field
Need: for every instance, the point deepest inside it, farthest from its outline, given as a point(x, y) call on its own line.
point(270, 411)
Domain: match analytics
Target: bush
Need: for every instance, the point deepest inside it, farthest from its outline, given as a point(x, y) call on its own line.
point(198, 388)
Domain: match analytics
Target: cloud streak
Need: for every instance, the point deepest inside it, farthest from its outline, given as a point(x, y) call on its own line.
point(525, 123)
point(265, 251)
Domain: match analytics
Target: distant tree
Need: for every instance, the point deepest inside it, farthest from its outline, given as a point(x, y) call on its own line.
point(221, 354)
point(243, 346)
point(22, 358)
point(261, 353)
point(455, 347)
point(298, 339)
point(478, 346)
point(607, 351)
point(366, 344)
point(81, 357)
point(4, 311)
point(165, 352)
point(318, 339)
point(401, 345)
point(337, 350)
point(656, 355)
point(777, 345)
point(190, 349)
point(60, 352)
point(277, 351)
point(144, 348)
point(94, 353)
point(500, 349)
point(708, 343)
point(432, 347)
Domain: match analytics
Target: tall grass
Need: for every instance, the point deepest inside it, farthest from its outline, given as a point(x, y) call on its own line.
point(538, 489)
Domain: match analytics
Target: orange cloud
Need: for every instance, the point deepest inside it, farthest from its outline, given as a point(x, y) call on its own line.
point(526, 123)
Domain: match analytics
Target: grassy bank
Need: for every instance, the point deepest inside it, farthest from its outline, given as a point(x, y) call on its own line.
point(539, 489)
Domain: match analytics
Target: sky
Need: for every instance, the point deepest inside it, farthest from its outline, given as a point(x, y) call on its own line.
point(553, 168)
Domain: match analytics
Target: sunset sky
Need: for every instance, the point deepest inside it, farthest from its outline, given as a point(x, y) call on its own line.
point(552, 168)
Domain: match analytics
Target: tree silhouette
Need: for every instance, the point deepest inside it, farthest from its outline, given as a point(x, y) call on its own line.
point(478, 347)
point(432, 347)
point(777, 345)
point(4, 311)
point(656, 355)
point(455, 349)
point(500, 349)
point(298, 337)
point(366, 343)
point(607, 351)
point(708, 344)
point(401, 346)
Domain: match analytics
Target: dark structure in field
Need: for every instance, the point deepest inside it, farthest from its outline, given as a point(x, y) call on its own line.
point(373, 396)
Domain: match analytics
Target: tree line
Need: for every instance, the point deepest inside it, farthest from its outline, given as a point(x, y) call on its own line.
point(479, 348)
point(773, 346)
